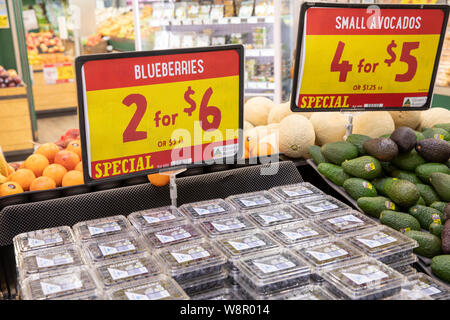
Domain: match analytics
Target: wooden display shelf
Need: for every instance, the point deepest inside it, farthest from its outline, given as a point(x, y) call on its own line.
point(15, 129)
point(57, 97)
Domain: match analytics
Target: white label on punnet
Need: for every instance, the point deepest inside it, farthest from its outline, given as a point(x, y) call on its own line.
point(268, 268)
point(70, 282)
point(227, 227)
point(182, 257)
point(246, 245)
point(321, 256)
point(45, 263)
point(107, 251)
point(104, 228)
point(150, 219)
point(360, 279)
point(38, 243)
point(373, 243)
point(117, 274)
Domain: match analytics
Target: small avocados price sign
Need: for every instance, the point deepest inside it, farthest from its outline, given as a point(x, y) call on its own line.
point(362, 57)
point(141, 112)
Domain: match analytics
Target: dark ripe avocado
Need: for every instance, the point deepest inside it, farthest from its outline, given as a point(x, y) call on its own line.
point(445, 237)
point(434, 150)
point(440, 266)
point(384, 149)
point(441, 183)
point(405, 138)
point(446, 212)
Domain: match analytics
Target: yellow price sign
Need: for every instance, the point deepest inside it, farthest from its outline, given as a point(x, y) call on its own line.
point(142, 112)
point(4, 22)
point(65, 72)
point(364, 58)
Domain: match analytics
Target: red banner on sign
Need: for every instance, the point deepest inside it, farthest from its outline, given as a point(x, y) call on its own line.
point(327, 21)
point(103, 74)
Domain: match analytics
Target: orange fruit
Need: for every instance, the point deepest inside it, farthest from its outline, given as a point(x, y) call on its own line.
point(9, 188)
point(22, 165)
point(263, 149)
point(79, 166)
point(3, 179)
point(36, 163)
point(42, 183)
point(158, 180)
point(24, 177)
point(67, 159)
point(56, 172)
point(11, 170)
point(75, 146)
point(246, 154)
point(49, 150)
point(72, 178)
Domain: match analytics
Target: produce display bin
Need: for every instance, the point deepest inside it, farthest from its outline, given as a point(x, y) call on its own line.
point(16, 133)
point(27, 217)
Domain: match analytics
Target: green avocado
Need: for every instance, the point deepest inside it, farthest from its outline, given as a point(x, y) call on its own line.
point(358, 140)
point(316, 154)
point(425, 170)
point(426, 215)
point(338, 152)
point(441, 183)
point(358, 188)
point(333, 172)
point(365, 167)
point(427, 193)
point(406, 175)
point(429, 244)
point(373, 206)
point(408, 161)
point(402, 192)
point(440, 266)
point(399, 221)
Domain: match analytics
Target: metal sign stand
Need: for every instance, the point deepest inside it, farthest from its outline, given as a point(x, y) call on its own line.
point(173, 185)
point(349, 125)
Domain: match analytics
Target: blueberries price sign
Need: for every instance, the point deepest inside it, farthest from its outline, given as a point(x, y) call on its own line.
point(365, 57)
point(141, 112)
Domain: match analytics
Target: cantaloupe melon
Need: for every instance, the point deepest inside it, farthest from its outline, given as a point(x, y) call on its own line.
point(329, 126)
point(409, 119)
point(248, 126)
point(430, 117)
point(256, 110)
point(278, 112)
point(273, 127)
point(373, 123)
point(296, 133)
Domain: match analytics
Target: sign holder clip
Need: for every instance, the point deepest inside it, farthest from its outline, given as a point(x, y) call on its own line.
point(173, 184)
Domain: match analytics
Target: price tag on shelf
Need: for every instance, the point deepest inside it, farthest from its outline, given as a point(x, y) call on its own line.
point(362, 58)
point(252, 20)
point(235, 20)
point(223, 20)
point(58, 73)
point(4, 21)
point(155, 110)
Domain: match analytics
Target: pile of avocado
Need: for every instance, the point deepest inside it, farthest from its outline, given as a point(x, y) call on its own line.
point(403, 179)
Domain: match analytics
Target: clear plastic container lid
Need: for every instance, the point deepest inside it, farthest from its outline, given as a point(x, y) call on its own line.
point(274, 215)
point(299, 233)
point(346, 223)
point(96, 228)
point(69, 282)
point(155, 218)
point(167, 236)
point(310, 292)
point(206, 209)
point(226, 225)
point(225, 293)
point(429, 286)
point(272, 266)
point(126, 270)
point(108, 248)
point(42, 239)
point(406, 270)
point(329, 254)
point(210, 279)
point(190, 257)
point(160, 287)
point(297, 191)
point(253, 200)
point(90, 295)
point(406, 260)
point(319, 207)
point(49, 260)
point(382, 241)
point(242, 244)
point(363, 278)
